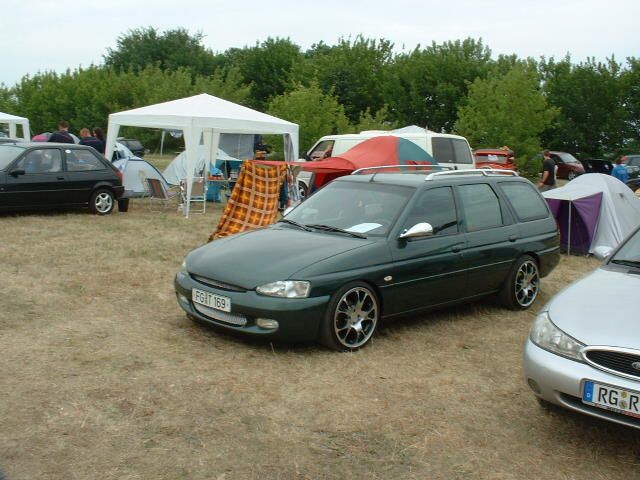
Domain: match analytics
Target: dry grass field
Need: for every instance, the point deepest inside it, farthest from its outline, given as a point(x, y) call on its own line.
point(103, 377)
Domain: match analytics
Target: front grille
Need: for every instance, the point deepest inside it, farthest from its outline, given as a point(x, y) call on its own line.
point(215, 284)
point(621, 362)
point(230, 318)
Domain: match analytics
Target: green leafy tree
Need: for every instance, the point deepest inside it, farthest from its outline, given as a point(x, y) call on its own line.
point(427, 86)
point(593, 121)
point(317, 113)
point(379, 121)
point(507, 110)
point(630, 84)
point(169, 50)
point(352, 71)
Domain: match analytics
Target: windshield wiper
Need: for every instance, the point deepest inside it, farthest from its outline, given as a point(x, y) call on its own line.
point(295, 224)
point(627, 263)
point(329, 228)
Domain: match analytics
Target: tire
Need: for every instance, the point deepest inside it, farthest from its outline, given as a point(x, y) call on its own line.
point(102, 202)
point(571, 175)
point(303, 191)
point(522, 285)
point(351, 318)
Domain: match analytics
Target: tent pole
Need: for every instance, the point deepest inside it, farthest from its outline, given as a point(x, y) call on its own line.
point(569, 232)
point(162, 141)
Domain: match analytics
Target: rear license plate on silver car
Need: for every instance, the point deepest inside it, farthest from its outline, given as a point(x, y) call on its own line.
point(211, 300)
point(609, 397)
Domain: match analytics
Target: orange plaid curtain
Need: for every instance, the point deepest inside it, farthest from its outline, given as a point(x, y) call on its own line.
point(254, 201)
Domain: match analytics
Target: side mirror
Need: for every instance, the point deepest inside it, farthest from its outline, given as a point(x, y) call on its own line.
point(602, 252)
point(419, 230)
point(17, 173)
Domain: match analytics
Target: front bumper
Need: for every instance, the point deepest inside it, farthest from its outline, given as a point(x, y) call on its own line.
point(298, 319)
point(560, 382)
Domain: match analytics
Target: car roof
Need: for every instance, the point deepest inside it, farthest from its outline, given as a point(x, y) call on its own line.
point(417, 180)
point(45, 144)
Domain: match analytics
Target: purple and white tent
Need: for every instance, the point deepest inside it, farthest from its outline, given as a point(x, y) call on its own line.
point(593, 210)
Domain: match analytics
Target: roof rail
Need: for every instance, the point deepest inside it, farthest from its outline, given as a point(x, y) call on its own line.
point(474, 171)
point(403, 168)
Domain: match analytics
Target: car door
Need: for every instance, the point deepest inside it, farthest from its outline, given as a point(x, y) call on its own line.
point(429, 271)
point(491, 237)
point(84, 170)
point(36, 179)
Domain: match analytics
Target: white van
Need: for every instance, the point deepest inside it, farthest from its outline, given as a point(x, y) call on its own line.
point(451, 150)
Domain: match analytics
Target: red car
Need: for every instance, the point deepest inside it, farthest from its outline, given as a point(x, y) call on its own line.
point(495, 158)
point(568, 166)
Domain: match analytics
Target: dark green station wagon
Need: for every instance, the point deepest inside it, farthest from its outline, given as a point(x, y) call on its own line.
point(369, 247)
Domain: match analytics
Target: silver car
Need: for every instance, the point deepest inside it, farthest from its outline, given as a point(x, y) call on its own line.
point(583, 352)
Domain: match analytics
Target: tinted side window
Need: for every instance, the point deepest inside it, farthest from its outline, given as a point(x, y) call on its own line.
point(442, 150)
point(46, 160)
point(461, 151)
point(525, 200)
point(437, 207)
point(481, 207)
point(82, 160)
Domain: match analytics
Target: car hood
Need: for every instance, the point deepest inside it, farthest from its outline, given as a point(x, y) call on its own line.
point(266, 255)
point(600, 309)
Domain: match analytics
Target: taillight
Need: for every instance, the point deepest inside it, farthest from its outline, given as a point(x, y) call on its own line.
point(120, 175)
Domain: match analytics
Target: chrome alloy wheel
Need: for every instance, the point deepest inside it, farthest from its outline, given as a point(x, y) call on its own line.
point(527, 283)
point(355, 317)
point(103, 202)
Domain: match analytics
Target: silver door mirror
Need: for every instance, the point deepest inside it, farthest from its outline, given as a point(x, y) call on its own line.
point(419, 230)
point(602, 252)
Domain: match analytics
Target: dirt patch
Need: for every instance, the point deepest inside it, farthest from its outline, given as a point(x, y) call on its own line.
point(103, 377)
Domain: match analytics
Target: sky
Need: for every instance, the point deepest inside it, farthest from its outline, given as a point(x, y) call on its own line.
point(39, 35)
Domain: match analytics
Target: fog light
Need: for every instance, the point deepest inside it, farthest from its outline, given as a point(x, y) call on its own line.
point(182, 298)
point(534, 386)
point(267, 323)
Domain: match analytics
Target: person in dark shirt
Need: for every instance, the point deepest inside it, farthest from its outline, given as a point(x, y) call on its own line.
point(548, 173)
point(62, 135)
point(97, 132)
point(87, 139)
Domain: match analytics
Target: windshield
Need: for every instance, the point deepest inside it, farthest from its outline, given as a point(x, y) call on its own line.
point(368, 208)
point(7, 154)
point(630, 251)
point(568, 158)
point(492, 158)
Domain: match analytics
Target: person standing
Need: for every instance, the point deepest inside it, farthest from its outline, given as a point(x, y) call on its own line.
point(620, 171)
point(548, 180)
point(62, 135)
point(88, 140)
point(97, 133)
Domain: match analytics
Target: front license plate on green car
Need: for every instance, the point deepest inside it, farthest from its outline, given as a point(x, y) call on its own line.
point(211, 300)
point(626, 402)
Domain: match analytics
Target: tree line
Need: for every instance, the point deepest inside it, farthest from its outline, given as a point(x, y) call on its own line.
point(590, 108)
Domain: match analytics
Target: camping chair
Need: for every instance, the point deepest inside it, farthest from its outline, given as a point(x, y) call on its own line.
point(159, 193)
point(198, 202)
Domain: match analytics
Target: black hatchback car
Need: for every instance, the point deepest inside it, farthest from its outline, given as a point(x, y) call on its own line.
point(371, 247)
point(36, 175)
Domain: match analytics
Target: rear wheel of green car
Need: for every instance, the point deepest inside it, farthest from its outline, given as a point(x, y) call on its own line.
point(522, 285)
point(352, 317)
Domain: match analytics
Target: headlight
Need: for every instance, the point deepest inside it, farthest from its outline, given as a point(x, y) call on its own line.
point(546, 335)
point(184, 267)
point(286, 289)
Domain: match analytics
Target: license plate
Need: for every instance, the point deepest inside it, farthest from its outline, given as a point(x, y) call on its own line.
point(609, 397)
point(211, 300)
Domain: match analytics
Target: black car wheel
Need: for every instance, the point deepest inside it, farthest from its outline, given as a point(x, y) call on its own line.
point(522, 285)
point(302, 191)
point(352, 317)
point(102, 201)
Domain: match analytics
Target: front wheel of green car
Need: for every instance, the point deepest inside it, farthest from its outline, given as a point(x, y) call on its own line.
point(522, 284)
point(352, 317)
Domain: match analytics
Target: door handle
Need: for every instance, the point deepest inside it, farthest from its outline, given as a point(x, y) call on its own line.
point(456, 248)
point(513, 238)
point(60, 178)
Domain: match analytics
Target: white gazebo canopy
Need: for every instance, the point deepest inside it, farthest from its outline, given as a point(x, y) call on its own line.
point(14, 120)
point(203, 116)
